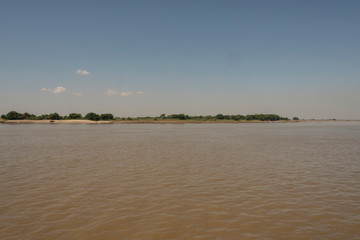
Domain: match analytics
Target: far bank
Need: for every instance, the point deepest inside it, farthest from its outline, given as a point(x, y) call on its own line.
point(152, 121)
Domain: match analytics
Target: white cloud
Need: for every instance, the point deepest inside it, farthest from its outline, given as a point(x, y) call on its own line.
point(112, 92)
point(82, 72)
point(123, 94)
point(59, 90)
point(126, 94)
point(46, 89)
point(77, 94)
point(55, 90)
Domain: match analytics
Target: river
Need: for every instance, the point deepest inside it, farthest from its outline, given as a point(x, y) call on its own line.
point(180, 181)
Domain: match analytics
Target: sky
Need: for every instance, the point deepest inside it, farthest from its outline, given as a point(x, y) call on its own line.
point(200, 57)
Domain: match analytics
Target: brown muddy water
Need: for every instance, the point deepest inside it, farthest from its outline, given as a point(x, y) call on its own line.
point(191, 181)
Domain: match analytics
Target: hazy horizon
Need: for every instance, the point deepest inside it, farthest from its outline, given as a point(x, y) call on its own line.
point(146, 58)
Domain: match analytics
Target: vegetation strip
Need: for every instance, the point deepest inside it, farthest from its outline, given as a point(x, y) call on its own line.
point(13, 115)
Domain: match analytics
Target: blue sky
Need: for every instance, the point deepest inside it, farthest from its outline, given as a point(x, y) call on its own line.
point(138, 58)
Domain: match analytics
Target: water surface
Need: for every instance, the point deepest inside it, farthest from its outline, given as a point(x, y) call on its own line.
point(191, 181)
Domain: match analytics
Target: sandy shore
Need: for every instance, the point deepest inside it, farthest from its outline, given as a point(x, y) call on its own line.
point(147, 121)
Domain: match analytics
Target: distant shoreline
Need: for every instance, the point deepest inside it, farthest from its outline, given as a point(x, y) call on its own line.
point(153, 121)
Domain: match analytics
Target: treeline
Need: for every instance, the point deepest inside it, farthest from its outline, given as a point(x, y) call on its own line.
point(238, 117)
point(13, 115)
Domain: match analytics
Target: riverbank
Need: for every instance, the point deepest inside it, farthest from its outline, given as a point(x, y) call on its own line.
point(151, 121)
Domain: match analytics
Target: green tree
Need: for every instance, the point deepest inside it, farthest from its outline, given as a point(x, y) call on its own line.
point(106, 116)
point(272, 117)
point(74, 116)
point(92, 116)
point(43, 116)
point(238, 117)
point(13, 115)
point(25, 116)
point(295, 118)
point(250, 117)
point(54, 116)
point(32, 117)
point(181, 116)
point(219, 116)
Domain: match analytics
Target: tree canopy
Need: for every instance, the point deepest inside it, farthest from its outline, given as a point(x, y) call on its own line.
point(92, 116)
point(106, 116)
point(54, 116)
point(13, 115)
point(75, 116)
